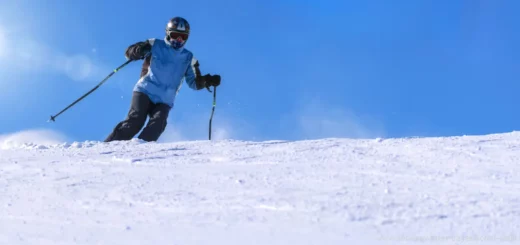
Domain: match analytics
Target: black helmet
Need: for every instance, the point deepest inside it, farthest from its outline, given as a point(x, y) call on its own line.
point(177, 31)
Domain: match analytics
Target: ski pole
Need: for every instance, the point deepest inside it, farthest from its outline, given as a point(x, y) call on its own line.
point(213, 109)
point(92, 90)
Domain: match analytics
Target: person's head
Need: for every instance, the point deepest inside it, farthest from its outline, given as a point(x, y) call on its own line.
point(177, 32)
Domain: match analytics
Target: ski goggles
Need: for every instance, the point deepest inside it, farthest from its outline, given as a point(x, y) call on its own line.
point(176, 35)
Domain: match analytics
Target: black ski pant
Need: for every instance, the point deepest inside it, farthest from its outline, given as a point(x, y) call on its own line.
point(140, 108)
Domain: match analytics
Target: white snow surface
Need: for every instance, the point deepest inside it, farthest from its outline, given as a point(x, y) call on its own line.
point(442, 190)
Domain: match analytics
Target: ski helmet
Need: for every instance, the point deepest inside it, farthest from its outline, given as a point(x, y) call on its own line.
point(177, 32)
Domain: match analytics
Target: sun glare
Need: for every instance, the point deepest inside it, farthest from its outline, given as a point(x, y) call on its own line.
point(2, 42)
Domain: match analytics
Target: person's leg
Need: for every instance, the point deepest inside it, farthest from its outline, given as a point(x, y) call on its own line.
point(134, 121)
point(156, 124)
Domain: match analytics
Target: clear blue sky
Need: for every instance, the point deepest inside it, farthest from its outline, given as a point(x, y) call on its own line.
point(291, 69)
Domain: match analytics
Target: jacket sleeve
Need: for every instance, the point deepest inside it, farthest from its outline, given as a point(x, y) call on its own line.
point(139, 50)
point(193, 77)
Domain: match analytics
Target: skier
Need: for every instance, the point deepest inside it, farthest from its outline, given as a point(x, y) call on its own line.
point(166, 64)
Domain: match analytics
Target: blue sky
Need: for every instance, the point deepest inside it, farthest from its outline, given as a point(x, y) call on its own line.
point(291, 69)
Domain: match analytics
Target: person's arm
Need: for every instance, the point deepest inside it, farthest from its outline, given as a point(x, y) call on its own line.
point(195, 80)
point(139, 50)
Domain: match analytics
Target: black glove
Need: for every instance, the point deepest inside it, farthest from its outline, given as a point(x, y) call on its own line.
point(138, 51)
point(212, 80)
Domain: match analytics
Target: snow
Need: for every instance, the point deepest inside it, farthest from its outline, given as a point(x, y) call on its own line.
point(442, 190)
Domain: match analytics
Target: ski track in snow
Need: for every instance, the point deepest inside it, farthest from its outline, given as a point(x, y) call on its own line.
point(329, 191)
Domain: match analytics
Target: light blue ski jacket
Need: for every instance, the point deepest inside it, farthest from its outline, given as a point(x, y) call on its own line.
point(164, 70)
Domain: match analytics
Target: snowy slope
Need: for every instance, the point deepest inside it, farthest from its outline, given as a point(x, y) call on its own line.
point(330, 191)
